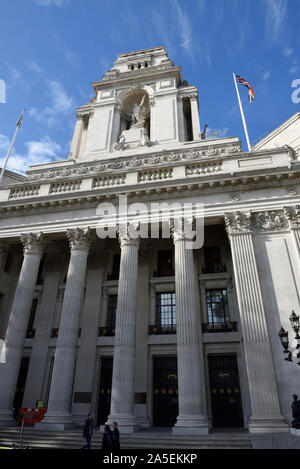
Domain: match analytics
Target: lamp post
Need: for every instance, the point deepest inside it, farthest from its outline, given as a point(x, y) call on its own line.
point(284, 339)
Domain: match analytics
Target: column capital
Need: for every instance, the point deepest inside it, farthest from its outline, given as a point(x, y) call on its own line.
point(129, 234)
point(237, 223)
point(193, 97)
point(33, 243)
point(79, 239)
point(182, 229)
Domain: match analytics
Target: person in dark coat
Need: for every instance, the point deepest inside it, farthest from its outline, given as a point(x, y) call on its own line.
point(88, 431)
point(107, 441)
point(116, 437)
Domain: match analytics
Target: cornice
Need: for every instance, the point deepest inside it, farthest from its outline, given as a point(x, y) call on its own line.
point(90, 199)
point(126, 163)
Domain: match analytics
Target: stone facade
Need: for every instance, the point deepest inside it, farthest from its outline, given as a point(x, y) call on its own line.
point(140, 137)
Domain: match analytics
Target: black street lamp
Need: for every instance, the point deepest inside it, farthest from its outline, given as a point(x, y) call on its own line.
point(284, 339)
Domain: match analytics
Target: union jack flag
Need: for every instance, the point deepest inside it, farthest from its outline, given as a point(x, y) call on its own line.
point(244, 82)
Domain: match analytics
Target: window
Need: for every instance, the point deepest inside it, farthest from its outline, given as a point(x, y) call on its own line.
point(39, 280)
point(165, 263)
point(213, 260)
point(166, 309)
point(8, 263)
point(217, 306)
point(115, 268)
point(32, 318)
point(111, 311)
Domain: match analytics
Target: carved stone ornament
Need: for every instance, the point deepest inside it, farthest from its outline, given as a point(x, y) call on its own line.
point(33, 243)
point(129, 234)
point(182, 229)
point(237, 222)
point(293, 216)
point(79, 239)
point(268, 221)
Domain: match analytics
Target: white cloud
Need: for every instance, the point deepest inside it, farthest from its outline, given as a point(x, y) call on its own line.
point(38, 152)
point(287, 51)
point(46, 3)
point(275, 16)
point(266, 75)
point(185, 29)
point(34, 66)
point(61, 105)
point(293, 69)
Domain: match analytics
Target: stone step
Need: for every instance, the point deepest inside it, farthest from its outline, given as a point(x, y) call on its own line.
point(158, 440)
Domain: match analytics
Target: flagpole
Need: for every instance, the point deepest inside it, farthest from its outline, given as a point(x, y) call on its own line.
point(11, 146)
point(242, 112)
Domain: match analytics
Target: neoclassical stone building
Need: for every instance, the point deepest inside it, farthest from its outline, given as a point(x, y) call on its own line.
point(145, 331)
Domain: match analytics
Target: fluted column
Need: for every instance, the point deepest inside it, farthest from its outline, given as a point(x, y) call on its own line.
point(195, 117)
point(18, 321)
point(266, 415)
point(293, 216)
point(122, 396)
point(189, 355)
point(59, 405)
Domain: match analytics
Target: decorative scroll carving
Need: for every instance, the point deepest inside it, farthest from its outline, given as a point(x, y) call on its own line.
point(33, 243)
point(96, 167)
point(268, 221)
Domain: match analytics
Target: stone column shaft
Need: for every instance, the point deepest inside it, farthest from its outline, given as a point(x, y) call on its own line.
point(17, 326)
point(195, 118)
point(59, 405)
point(39, 352)
point(190, 419)
point(122, 396)
point(266, 415)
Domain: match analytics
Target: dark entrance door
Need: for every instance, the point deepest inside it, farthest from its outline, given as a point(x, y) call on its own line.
point(165, 391)
point(105, 390)
point(18, 399)
point(225, 391)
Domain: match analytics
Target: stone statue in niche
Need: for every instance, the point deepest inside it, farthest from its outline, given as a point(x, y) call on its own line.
point(139, 114)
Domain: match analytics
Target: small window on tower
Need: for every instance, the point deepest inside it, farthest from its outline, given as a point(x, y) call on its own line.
point(146, 64)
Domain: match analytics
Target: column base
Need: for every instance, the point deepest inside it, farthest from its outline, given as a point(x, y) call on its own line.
point(268, 425)
point(126, 423)
point(56, 421)
point(295, 431)
point(191, 425)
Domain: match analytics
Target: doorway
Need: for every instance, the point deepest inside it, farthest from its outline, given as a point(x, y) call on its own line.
point(165, 391)
point(225, 391)
point(105, 390)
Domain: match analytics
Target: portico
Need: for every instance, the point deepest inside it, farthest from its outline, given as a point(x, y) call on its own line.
point(144, 330)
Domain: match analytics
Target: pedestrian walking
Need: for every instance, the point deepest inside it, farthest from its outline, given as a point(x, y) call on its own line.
point(116, 437)
point(88, 431)
point(107, 441)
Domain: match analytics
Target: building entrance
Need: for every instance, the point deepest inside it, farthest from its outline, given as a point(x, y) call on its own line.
point(165, 391)
point(104, 390)
point(225, 391)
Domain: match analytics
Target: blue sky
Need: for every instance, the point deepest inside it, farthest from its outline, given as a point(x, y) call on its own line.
point(51, 50)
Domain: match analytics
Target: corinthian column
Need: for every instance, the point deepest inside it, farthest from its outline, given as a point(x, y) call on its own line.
point(293, 216)
point(195, 117)
point(122, 396)
point(266, 416)
point(189, 355)
point(17, 326)
point(58, 413)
